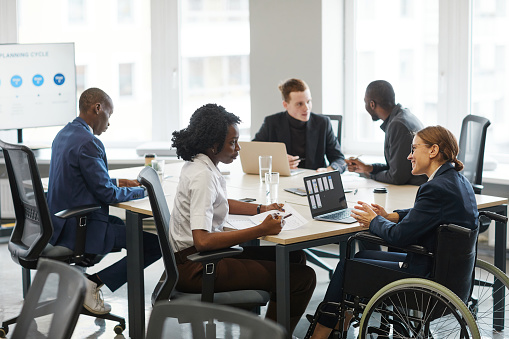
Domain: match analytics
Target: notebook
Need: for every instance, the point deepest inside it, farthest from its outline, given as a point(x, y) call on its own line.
point(251, 150)
point(326, 198)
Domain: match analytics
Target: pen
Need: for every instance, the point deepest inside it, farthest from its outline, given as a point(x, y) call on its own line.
point(357, 157)
point(301, 159)
point(286, 216)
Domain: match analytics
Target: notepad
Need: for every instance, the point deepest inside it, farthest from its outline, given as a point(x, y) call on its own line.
point(241, 222)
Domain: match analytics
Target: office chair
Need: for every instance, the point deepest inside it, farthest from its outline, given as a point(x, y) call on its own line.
point(33, 229)
point(472, 142)
point(314, 254)
point(165, 289)
point(337, 122)
point(201, 320)
point(53, 304)
point(471, 154)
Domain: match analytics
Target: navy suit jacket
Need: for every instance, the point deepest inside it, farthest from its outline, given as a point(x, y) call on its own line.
point(320, 139)
point(447, 199)
point(79, 176)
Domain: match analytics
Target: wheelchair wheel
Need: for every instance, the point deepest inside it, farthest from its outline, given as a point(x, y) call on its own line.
point(490, 283)
point(417, 308)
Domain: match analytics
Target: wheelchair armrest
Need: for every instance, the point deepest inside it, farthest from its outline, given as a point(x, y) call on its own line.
point(477, 188)
point(77, 211)
point(493, 216)
point(370, 237)
point(210, 256)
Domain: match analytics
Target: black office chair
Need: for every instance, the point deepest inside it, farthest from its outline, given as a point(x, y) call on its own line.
point(337, 122)
point(165, 289)
point(33, 229)
point(53, 303)
point(472, 143)
point(178, 319)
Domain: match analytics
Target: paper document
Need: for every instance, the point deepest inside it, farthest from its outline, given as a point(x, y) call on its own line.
point(295, 220)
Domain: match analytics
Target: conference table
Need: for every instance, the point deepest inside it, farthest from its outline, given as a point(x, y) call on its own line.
point(311, 234)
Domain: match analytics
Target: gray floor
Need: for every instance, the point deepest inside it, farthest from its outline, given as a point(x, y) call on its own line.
point(87, 327)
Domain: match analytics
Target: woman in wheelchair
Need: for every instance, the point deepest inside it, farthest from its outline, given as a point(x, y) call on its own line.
point(447, 198)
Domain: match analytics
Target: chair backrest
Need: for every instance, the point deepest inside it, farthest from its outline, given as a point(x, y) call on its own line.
point(455, 256)
point(53, 303)
point(337, 122)
point(173, 319)
point(33, 228)
point(149, 178)
point(472, 142)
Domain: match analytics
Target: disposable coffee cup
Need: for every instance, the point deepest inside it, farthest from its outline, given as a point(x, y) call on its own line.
point(380, 196)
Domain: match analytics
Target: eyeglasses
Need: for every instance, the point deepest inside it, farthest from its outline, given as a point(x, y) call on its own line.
point(412, 149)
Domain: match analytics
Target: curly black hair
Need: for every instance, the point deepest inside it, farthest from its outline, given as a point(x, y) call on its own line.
point(208, 126)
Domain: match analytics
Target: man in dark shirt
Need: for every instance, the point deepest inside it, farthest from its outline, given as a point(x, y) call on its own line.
point(399, 125)
point(309, 137)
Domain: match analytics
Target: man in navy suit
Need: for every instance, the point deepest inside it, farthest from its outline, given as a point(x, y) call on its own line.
point(308, 136)
point(79, 176)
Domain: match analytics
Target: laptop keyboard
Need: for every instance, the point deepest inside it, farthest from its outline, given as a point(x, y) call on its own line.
point(339, 215)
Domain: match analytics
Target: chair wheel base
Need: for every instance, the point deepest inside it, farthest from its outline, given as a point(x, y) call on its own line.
point(119, 328)
point(3, 332)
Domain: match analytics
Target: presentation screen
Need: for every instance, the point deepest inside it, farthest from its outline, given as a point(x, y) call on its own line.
point(37, 85)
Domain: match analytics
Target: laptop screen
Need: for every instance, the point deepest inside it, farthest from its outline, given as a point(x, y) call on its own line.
point(325, 193)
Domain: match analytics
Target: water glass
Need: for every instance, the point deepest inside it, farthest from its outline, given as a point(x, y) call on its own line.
point(265, 162)
point(158, 166)
point(271, 187)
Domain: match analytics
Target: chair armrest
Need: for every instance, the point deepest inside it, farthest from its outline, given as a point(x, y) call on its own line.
point(77, 211)
point(209, 256)
point(370, 237)
point(477, 188)
point(209, 260)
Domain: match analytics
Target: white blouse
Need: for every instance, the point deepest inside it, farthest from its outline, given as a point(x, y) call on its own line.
point(201, 202)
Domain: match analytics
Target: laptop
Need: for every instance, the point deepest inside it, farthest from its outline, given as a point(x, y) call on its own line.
point(251, 150)
point(326, 198)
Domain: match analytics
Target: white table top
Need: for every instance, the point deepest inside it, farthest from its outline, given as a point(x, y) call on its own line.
point(240, 185)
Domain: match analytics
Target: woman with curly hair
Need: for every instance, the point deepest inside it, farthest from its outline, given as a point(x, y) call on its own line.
point(201, 209)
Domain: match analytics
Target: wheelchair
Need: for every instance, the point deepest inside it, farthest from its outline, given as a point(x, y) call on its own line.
point(464, 297)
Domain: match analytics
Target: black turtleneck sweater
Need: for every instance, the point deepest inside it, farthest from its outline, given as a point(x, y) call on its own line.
point(298, 135)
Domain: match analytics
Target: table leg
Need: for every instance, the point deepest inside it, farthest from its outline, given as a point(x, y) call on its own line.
point(283, 287)
point(135, 283)
point(500, 262)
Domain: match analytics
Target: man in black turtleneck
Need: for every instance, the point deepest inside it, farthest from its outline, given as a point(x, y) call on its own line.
point(308, 136)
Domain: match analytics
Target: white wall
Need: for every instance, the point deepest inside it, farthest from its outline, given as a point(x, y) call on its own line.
point(286, 42)
point(8, 18)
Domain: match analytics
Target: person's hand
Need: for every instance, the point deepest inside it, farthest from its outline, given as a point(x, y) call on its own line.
point(356, 165)
point(363, 213)
point(293, 160)
point(274, 206)
point(379, 210)
point(324, 169)
point(128, 183)
point(273, 224)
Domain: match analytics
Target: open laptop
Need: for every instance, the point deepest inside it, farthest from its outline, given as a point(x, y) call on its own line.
point(326, 197)
point(251, 150)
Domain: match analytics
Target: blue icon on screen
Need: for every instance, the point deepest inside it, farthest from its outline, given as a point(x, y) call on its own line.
point(38, 80)
point(16, 81)
point(59, 79)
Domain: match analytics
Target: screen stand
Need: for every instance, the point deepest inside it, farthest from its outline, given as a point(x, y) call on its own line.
point(20, 136)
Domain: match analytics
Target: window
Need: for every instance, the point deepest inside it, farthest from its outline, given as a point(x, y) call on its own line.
point(125, 11)
point(125, 79)
point(397, 41)
point(76, 12)
point(81, 79)
point(490, 73)
point(115, 58)
point(215, 57)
